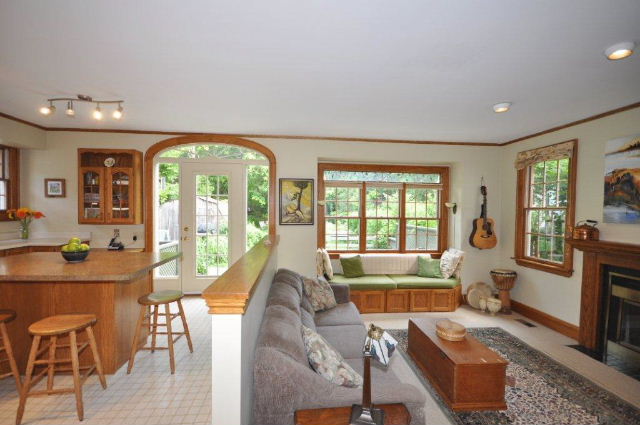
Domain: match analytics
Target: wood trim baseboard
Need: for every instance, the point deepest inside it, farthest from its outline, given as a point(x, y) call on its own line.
point(552, 322)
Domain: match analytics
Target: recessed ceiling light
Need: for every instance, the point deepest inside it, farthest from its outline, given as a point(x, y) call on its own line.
point(501, 107)
point(620, 50)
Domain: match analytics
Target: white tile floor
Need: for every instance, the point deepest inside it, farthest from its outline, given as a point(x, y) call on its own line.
point(150, 395)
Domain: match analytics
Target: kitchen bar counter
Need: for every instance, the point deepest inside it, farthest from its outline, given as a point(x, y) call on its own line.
point(107, 284)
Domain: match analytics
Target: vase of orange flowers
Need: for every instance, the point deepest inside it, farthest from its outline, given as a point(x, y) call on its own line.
point(25, 216)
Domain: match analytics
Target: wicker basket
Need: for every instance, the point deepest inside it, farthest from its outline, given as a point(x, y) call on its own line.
point(449, 330)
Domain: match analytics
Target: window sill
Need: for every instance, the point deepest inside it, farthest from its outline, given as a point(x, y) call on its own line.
point(559, 269)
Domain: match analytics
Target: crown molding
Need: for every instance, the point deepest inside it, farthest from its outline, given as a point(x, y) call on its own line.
point(336, 139)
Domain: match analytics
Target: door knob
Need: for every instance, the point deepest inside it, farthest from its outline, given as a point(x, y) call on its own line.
point(186, 228)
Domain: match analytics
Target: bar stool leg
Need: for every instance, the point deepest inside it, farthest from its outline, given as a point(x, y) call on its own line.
point(134, 346)
point(52, 363)
point(185, 326)
point(154, 328)
point(75, 367)
point(27, 379)
point(12, 360)
point(96, 356)
point(167, 310)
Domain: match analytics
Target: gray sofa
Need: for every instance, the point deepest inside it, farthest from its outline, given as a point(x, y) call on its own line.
point(283, 380)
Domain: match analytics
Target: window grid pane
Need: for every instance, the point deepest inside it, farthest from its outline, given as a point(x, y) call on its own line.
point(383, 212)
point(547, 210)
point(342, 222)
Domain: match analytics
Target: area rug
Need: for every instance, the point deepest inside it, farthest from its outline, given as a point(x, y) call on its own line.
point(543, 391)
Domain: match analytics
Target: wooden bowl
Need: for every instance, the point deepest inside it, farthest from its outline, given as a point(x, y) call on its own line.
point(449, 330)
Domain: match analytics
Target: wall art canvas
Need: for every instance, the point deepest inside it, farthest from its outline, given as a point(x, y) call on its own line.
point(622, 180)
point(296, 201)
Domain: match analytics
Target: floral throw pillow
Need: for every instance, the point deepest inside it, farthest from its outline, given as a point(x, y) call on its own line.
point(327, 362)
point(320, 293)
point(449, 263)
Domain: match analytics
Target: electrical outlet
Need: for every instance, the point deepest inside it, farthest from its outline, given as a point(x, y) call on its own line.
point(135, 238)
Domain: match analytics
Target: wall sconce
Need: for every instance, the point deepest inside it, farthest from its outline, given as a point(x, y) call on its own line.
point(452, 206)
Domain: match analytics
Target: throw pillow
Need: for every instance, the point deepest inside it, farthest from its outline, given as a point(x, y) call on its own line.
point(326, 262)
point(449, 263)
point(428, 267)
point(320, 293)
point(327, 362)
point(305, 303)
point(352, 266)
point(319, 262)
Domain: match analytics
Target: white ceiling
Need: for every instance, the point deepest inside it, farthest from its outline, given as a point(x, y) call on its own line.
point(412, 69)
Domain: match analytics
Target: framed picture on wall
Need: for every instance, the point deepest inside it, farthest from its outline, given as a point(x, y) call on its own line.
point(296, 201)
point(55, 188)
point(622, 174)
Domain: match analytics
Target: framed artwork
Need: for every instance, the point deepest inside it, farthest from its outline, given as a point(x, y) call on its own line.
point(296, 201)
point(55, 188)
point(622, 181)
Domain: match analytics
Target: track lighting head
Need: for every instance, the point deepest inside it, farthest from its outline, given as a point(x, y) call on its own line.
point(97, 113)
point(48, 110)
point(70, 112)
point(117, 114)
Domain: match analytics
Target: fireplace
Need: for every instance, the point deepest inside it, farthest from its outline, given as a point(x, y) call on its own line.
point(610, 303)
point(620, 344)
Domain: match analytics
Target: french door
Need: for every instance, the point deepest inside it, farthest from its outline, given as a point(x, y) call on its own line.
point(212, 221)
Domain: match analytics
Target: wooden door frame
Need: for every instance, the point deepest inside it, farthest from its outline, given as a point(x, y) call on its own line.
point(151, 153)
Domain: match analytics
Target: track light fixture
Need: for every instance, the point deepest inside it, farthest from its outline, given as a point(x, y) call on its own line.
point(97, 113)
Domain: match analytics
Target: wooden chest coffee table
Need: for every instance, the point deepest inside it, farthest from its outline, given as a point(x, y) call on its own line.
point(466, 374)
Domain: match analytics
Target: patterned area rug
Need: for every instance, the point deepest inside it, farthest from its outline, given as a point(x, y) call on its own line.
point(544, 391)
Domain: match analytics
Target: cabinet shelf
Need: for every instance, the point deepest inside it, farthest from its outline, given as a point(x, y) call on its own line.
point(109, 195)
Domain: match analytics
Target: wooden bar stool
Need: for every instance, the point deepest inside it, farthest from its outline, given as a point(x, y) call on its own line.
point(5, 346)
point(150, 319)
point(54, 327)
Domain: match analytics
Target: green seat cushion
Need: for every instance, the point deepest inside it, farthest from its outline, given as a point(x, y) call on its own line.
point(368, 282)
point(412, 281)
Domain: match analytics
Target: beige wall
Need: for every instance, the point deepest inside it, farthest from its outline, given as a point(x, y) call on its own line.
point(295, 158)
point(556, 295)
point(13, 133)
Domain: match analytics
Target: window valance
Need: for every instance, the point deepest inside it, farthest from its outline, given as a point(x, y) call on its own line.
point(546, 153)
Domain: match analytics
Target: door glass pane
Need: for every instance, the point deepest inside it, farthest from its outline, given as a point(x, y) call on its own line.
point(91, 195)
point(168, 227)
point(120, 191)
point(212, 224)
point(257, 203)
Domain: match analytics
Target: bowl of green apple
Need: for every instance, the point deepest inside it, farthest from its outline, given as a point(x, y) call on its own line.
point(75, 251)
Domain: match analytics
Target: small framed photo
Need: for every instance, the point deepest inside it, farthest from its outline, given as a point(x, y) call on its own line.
point(296, 201)
point(55, 188)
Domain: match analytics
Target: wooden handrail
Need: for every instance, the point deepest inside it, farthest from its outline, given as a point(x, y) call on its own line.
point(231, 292)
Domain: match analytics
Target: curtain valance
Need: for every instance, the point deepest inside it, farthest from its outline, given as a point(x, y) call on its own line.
point(546, 153)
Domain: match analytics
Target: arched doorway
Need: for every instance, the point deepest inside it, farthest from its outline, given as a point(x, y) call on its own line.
point(210, 197)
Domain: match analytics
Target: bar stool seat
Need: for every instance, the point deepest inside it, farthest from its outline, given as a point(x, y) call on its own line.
point(54, 327)
point(7, 316)
point(149, 318)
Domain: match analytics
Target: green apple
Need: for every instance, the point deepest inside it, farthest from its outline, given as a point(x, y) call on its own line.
point(74, 247)
point(77, 241)
point(65, 248)
point(84, 247)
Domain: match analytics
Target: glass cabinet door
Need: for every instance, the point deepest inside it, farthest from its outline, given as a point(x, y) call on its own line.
point(92, 205)
point(121, 192)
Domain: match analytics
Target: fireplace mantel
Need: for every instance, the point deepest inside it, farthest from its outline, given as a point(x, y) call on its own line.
point(598, 255)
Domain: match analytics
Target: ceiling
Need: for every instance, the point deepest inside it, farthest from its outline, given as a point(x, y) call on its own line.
point(413, 69)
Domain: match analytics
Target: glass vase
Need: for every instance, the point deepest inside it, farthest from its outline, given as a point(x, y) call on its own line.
point(24, 230)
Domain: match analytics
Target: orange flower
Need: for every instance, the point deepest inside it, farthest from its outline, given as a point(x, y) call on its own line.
point(38, 214)
point(21, 213)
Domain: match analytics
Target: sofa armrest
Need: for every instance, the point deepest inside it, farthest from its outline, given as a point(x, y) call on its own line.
point(341, 292)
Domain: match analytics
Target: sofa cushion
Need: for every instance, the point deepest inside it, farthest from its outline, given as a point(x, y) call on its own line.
point(365, 283)
point(285, 295)
point(384, 264)
point(407, 281)
point(280, 330)
point(319, 292)
point(327, 361)
point(307, 319)
point(305, 304)
point(291, 278)
point(352, 266)
point(342, 314)
point(347, 339)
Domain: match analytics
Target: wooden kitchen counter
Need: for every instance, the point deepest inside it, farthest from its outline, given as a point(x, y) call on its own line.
point(107, 284)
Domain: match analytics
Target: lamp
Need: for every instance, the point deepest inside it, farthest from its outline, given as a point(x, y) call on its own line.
point(70, 111)
point(380, 346)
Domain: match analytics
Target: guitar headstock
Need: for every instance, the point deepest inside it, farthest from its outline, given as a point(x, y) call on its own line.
point(483, 190)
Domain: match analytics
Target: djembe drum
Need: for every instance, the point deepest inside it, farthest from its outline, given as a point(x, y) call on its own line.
point(504, 280)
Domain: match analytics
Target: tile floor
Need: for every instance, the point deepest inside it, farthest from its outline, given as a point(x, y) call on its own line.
point(150, 395)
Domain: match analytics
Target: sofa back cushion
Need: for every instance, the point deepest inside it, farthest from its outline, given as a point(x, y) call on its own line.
point(384, 263)
point(284, 295)
point(282, 330)
point(291, 278)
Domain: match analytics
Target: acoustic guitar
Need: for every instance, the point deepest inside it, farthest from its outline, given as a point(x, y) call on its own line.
point(483, 235)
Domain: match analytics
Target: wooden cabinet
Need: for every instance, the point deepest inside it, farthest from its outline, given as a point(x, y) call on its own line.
point(405, 300)
point(369, 301)
point(397, 301)
point(109, 186)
